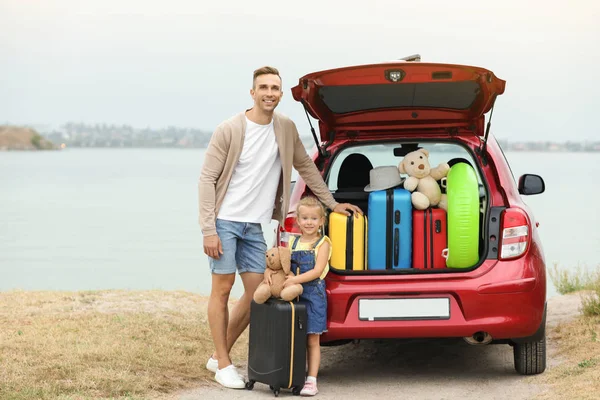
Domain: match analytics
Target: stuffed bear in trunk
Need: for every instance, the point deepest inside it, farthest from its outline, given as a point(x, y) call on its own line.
point(422, 180)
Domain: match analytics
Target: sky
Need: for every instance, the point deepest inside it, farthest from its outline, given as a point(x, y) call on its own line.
point(189, 63)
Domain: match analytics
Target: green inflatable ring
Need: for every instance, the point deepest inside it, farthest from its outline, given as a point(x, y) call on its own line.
point(462, 190)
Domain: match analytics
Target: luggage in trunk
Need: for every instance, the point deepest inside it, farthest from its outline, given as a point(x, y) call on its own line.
point(348, 234)
point(277, 345)
point(462, 190)
point(429, 238)
point(390, 230)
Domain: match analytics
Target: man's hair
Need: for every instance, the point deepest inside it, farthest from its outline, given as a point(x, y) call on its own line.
point(264, 71)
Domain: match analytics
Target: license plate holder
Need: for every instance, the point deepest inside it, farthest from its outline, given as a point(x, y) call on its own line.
point(435, 308)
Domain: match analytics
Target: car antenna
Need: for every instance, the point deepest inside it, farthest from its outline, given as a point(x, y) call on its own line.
point(321, 150)
point(487, 130)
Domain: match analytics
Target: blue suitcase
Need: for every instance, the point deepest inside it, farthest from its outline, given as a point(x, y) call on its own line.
point(389, 230)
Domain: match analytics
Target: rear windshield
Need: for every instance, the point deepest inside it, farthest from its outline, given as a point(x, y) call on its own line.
point(449, 95)
point(351, 166)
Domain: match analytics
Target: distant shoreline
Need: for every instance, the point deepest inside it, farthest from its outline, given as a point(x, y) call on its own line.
point(109, 136)
point(15, 138)
point(526, 148)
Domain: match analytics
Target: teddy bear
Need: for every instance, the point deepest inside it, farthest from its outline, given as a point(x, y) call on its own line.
point(279, 261)
point(422, 180)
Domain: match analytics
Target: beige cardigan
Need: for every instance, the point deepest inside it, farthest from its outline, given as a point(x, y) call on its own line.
point(223, 154)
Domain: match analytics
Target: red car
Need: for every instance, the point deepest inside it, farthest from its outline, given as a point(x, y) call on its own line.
point(379, 113)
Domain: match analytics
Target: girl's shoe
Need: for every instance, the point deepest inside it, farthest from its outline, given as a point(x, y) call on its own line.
point(309, 389)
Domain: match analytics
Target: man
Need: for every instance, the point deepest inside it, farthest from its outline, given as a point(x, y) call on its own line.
point(245, 181)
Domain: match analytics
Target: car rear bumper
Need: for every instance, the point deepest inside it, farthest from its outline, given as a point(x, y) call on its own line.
point(512, 308)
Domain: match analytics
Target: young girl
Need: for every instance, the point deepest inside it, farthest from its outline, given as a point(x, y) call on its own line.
point(310, 254)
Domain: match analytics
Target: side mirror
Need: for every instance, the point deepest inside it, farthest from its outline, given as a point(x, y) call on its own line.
point(531, 184)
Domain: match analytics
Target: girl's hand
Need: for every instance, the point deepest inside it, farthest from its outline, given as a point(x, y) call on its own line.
point(289, 281)
point(267, 279)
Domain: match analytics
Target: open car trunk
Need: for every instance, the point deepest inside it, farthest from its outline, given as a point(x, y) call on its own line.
point(395, 236)
point(387, 112)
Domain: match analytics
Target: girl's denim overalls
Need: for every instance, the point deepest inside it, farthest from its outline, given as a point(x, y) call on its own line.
point(313, 295)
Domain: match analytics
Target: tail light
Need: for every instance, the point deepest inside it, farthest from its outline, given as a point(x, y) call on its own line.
point(289, 227)
point(515, 233)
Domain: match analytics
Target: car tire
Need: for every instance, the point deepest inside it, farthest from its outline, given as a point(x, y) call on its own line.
point(530, 357)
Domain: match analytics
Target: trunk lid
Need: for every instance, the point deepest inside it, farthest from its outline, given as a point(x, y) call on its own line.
point(399, 96)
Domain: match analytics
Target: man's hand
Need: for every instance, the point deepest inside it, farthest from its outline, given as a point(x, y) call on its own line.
point(343, 207)
point(213, 247)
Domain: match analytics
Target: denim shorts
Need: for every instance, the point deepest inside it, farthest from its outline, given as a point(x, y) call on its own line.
point(244, 248)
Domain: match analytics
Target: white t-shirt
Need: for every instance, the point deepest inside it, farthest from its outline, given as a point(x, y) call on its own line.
point(251, 193)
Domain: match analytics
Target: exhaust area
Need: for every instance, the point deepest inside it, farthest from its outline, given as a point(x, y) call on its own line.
point(478, 338)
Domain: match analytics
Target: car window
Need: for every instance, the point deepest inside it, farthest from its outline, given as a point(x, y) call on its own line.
point(383, 154)
point(505, 159)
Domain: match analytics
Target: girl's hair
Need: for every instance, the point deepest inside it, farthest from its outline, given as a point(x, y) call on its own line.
point(310, 201)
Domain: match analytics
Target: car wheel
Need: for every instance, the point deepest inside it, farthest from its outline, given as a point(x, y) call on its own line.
point(530, 357)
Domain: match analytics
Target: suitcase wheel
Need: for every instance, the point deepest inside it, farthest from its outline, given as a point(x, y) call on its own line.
point(250, 385)
point(296, 390)
point(275, 391)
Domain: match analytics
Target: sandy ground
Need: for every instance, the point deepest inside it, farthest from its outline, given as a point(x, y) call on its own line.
point(416, 369)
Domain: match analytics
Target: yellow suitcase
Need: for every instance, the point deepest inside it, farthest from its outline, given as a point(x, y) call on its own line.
point(348, 240)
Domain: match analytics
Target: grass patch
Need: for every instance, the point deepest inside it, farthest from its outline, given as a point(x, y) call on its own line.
point(578, 377)
point(574, 280)
point(578, 279)
point(578, 342)
point(590, 301)
point(590, 362)
point(103, 344)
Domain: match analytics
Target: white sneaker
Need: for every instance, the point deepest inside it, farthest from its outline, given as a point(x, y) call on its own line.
point(212, 365)
point(230, 378)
